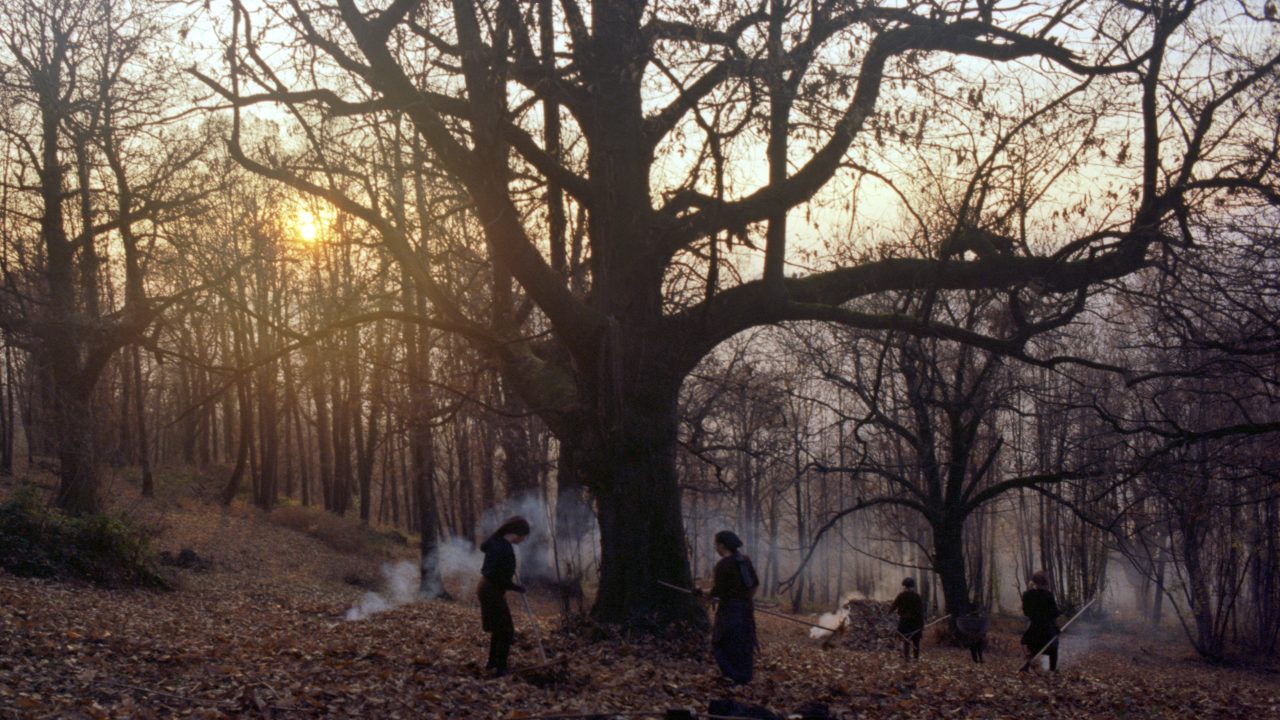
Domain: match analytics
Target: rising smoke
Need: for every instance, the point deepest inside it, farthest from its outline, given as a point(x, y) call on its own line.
point(833, 620)
point(400, 584)
point(556, 540)
point(549, 554)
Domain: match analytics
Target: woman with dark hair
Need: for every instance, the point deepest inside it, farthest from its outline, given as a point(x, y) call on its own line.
point(733, 635)
point(1039, 605)
point(497, 577)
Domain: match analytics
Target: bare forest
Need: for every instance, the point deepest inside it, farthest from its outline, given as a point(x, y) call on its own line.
point(955, 290)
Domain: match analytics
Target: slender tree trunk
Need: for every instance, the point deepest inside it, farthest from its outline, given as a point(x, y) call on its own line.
point(125, 452)
point(343, 474)
point(144, 446)
point(6, 443)
point(324, 437)
point(422, 459)
point(246, 441)
point(269, 433)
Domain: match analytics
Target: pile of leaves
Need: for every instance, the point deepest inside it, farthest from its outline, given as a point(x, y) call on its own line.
point(105, 549)
point(261, 633)
point(871, 626)
point(866, 625)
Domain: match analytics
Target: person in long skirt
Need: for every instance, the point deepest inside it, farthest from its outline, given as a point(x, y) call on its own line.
point(733, 633)
point(1039, 605)
point(497, 577)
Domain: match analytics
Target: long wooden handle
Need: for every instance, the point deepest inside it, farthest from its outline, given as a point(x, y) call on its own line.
point(537, 631)
point(762, 611)
point(1063, 629)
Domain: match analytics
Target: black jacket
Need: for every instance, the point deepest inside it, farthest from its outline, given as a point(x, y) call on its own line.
point(499, 563)
point(735, 578)
point(910, 607)
point(1039, 605)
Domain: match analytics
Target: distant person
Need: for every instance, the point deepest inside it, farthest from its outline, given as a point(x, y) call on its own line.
point(497, 577)
point(910, 608)
point(733, 634)
point(1039, 605)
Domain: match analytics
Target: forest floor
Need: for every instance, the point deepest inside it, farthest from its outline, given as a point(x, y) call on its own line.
point(259, 631)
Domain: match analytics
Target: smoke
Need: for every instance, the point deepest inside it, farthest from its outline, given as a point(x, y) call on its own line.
point(456, 560)
point(555, 534)
point(400, 583)
point(833, 620)
point(1077, 642)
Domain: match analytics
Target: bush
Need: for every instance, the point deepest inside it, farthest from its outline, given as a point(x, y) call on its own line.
point(104, 549)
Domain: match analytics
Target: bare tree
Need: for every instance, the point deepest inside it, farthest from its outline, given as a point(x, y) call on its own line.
point(634, 83)
point(101, 161)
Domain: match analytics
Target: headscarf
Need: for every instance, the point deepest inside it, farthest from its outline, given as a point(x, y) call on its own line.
point(729, 539)
point(1040, 579)
point(909, 583)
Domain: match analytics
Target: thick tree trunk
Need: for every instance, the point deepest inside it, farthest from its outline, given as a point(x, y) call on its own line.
point(573, 517)
point(633, 477)
point(467, 511)
point(1208, 641)
point(78, 486)
point(948, 551)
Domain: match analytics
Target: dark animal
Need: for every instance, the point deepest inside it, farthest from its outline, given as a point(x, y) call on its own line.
point(971, 631)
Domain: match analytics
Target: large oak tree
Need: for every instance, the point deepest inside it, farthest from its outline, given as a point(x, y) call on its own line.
point(678, 140)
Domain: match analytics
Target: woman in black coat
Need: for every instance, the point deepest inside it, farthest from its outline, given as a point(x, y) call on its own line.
point(497, 577)
point(733, 634)
point(1039, 605)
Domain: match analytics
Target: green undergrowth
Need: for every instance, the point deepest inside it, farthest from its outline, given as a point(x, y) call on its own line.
point(105, 549)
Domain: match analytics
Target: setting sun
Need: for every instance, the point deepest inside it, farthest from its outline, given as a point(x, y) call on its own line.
point(307, 226)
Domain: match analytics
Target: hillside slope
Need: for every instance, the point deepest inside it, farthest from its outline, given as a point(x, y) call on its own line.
point(261, 633)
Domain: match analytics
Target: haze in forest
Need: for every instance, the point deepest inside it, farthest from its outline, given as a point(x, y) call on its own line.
point(957, 290)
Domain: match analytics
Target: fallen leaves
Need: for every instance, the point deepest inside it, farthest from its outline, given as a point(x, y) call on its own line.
point(257, 640)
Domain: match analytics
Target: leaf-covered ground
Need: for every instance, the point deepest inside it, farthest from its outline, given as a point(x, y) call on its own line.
point(261, 634)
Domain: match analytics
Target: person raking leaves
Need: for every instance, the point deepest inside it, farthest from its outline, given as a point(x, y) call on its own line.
point(1039, 605)
point(910, 608)
point(497, 577)
point(733, 633)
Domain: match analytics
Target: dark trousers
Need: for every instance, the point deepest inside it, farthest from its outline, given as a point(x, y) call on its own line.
point(495, 617)
point(499, 649)
point(1037, 637)
point(911, 633)
point(1052, 654)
